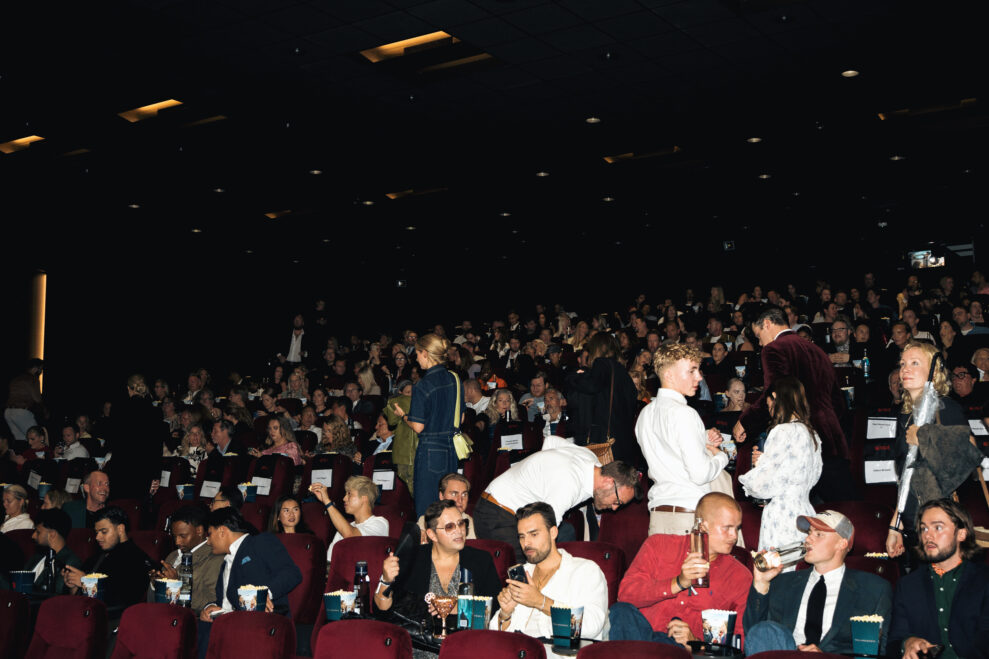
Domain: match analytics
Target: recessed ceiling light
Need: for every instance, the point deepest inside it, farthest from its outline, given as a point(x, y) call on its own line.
point(542, 174)
point(505, 214)
point(765, 176)
point(368, 202)
point(607, 198)
point(248, 251)
point(754, 140)
point(850, 73)
point(326, 240)
point(593, 120)
point(197, 230)
point(133, 205)
point(315, 172)
point(22, 143)
point(410, 228)
point(218, 190)
point(406, 46)
point(147, 111)
point(274, 215)
point(897, 158)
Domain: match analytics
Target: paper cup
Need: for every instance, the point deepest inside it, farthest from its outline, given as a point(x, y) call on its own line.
point(567, 622)
point(865, 636)
point(249, 491)
point(167, 591)
point(481, 612)
point(331, 602)
point(94, 585)
point(252, 598)
point(43, 489)
point(740, 371)
point(22, 581)
point(348, 601)
point(465, 611)
point(185, 491)
point(718, 626)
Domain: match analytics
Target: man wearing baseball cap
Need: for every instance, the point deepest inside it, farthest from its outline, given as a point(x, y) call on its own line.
point(810, 609)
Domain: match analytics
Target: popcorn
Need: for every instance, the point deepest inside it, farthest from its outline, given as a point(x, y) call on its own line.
point(869, 618)
point(97, 575)
point(877, 554)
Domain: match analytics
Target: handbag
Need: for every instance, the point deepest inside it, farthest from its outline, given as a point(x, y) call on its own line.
point(603, 450)
point(462, 444)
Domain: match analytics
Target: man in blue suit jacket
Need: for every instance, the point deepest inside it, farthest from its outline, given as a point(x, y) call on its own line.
point(947, 602)
point(258, 560)
point(779, 610)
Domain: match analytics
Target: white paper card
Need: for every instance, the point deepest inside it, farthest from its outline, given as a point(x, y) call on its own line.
point(324, 476)
point(978, 428)
point(881, 428)
point(34, 479)
point(72, 485)
point(264, 485)
point(725, 437)
point(879, 471)
point(385, 478)
point(166, 477)
point(209, 489)
point(510, 442)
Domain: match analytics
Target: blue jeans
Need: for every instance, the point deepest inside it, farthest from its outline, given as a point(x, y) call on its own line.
point(628, 624)
point(766, 636)
point(433, 461)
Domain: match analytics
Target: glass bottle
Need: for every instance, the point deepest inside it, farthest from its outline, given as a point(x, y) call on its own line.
point(786, 556)
point(362, 588)
point(185, 574)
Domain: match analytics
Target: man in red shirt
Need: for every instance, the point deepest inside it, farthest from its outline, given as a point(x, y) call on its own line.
point(656, 602)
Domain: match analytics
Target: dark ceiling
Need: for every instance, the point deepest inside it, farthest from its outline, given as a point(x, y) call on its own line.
point(681, 85)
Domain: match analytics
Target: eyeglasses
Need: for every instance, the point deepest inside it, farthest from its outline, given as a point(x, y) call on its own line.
point(452, 526)
point(838, 329)
point(960, 376)
point(617, 498)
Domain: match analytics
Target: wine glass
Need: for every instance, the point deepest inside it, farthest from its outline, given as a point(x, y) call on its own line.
point(444, 606)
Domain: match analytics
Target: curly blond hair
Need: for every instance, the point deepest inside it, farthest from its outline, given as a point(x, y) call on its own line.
point(941, 382)
point(669, 354)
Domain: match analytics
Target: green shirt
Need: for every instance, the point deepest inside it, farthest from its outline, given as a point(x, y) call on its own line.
point(944, 593)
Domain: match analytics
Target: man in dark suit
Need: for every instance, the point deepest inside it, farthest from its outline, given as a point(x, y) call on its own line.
point(222, 438)
point(259, 560)
point(810, 609)
point(947, 603)
point(785, 353)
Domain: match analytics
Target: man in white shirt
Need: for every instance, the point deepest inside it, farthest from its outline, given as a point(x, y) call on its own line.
point(554, 578)
point(534, 399)
point(684, 459)
point(809, 610)
point(472, 394)
point(295, 352)
point(456, 488)
point(73, 447)
point(360, 493)
point(562, 475)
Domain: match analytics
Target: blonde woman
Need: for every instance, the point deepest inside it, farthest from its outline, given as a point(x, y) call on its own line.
point(365, 376)
point(430, 414)
point(192, 448)
point(336, 438)
point(580, 335)
point(502, 403)
point(15, 507)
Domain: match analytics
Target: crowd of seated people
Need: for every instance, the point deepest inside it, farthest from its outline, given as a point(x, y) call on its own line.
point(535, 374)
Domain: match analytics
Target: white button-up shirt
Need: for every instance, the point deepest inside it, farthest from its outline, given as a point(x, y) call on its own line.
point(673, 441)
point(229, 560)
point(832, 580)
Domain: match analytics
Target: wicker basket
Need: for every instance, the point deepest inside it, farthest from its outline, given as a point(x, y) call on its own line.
point(603, 451)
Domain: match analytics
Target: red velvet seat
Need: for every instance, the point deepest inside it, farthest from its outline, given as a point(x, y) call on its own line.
point(221, 469)
point(751, 523)
point(168, 508)
point(632, 650)
point(792, 654)
point(82, 542)
point(15, 618)
point(346, 553)
point(396, 519)
point(257, 514)
point(69, 627)
point(502, 554)
point(306, 439)
point(309, 554)
point(610, 558)
point(133, 509)
point(341, 467)
point(252, 634)
point(368, 639)
point(400, 499)
point(156, 544)
point(495, 645)
point(888, 570)
point(280, 469)
point(291, 405)
point(22, 537)
point(316, 517)
point(627, 527)
point(156, 630)
point(871, 521)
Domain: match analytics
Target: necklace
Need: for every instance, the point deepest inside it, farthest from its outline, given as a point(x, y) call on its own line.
point(540, 584)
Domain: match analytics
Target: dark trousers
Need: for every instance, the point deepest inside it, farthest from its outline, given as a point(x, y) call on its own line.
point(494, 523)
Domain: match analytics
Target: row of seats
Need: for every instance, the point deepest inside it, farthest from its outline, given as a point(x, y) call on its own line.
point(76, 627)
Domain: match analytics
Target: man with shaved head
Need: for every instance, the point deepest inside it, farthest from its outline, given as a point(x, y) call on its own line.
point(657, 601)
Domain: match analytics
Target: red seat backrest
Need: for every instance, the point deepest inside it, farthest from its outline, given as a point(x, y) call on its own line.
point(632, 650)
point(627, 527)
point(82, 542)
point(496, 644)
point(160, 630)
point(880, 567)
point(156, 544)
point(22, 537)
point(309, 554)
point(252, 634)
point(69, 627)
point(369, 639)
point(870, 519)
point(280, 469)
point(502, 553)
point(610, 558)
point(15, 619)
point(315, 516)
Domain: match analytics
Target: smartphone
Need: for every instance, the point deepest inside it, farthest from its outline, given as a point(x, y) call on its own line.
point(517, 573)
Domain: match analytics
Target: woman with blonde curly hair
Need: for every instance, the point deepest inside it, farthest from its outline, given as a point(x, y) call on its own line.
point(915, 368)
point(502, 403)
point(580, 336)
point(336, 438)
point(192, 448)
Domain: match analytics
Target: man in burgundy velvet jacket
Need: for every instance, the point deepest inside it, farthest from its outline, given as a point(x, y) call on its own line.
point(785, 353)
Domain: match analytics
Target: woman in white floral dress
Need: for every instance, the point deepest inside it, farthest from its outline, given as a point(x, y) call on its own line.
point(788, 467)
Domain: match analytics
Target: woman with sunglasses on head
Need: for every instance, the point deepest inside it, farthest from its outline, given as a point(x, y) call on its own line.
point(436, 567)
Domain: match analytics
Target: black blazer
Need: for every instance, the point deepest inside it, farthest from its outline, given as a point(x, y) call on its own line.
point(261, 560)
point(860, 594)
point(593, 428)
point(914, 615)
point(414, 568)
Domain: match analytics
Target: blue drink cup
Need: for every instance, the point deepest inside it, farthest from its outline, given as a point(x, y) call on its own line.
point(249, 491)
point(331, 602)
point(22, 581)
point(865, 636)
point(43, 489)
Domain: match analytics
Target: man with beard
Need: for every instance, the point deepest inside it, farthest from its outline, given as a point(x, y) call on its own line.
point(947, 602)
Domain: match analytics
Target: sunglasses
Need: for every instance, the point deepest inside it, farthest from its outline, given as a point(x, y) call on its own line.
point(452, 526)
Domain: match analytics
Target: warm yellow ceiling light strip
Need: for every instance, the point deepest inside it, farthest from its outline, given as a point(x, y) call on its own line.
point(622, 157)
point(399, 48)
point(20, 144)
point(463, 61)
point(148, 111)
point(933, 109)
